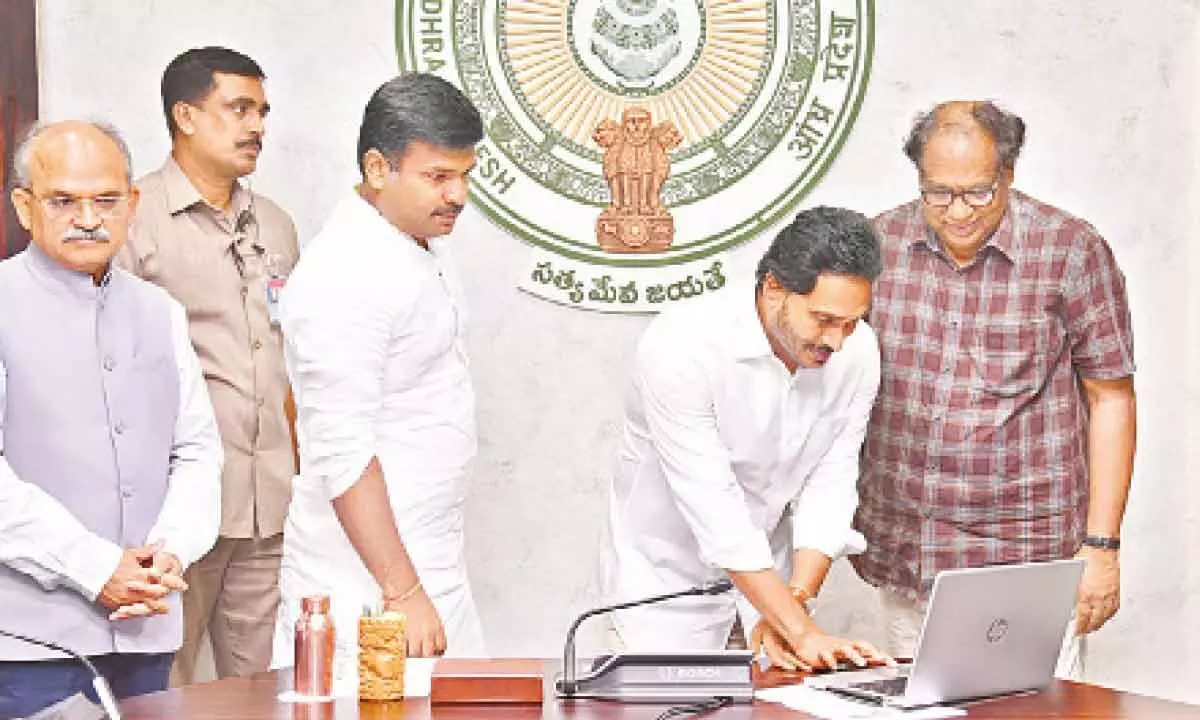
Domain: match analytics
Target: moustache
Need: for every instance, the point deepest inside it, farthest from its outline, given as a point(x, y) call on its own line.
point(451, 210)
point(255, 143)
point(99, 234)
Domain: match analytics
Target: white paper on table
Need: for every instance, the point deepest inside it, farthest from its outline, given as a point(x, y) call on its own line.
point(418, 676)
point(418, 681)
point(827, 705)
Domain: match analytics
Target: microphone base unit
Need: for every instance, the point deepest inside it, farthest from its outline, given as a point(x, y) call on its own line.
point(665, 678)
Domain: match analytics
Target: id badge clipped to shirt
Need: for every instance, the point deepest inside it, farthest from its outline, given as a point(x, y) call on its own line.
point(276, 280)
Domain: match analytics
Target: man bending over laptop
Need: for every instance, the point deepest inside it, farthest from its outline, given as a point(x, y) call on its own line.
point(739, 454)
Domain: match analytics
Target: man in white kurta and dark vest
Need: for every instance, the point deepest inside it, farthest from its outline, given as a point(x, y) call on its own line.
point(374, 343)
point(110, 465)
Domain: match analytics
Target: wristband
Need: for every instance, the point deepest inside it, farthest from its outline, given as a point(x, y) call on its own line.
point(801, 596)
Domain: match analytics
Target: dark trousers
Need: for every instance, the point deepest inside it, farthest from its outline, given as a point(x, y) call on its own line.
point(29, 686)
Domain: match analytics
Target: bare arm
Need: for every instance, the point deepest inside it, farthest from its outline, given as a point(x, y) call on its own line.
point(786, 633)
point(809, 568)
point(767, 592)
point(1112, 437)
point(289, 412)
point(769, 595)
point(365, 513)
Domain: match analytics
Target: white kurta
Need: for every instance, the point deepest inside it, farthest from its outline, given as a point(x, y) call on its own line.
point(728, 462)
point(374, 343)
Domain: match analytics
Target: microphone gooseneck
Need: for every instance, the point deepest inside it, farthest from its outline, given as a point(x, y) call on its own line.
point(107, 701)
point(569, 684)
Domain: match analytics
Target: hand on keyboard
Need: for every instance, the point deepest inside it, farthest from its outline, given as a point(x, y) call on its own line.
point(814, 650)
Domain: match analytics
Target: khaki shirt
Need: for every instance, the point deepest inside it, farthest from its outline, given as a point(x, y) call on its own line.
point(219, 266)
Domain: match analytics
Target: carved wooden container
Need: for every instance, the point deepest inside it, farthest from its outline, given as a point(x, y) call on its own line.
point(381, 651)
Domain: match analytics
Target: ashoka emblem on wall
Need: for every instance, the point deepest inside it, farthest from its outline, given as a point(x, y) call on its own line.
point(762, 94)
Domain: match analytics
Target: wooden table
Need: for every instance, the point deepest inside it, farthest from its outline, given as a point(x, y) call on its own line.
point(255, 698)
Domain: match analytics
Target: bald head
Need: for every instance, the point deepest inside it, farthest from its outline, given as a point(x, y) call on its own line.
point(956, 112)
point(73, 193)
point(969, 119)
point(57, 137)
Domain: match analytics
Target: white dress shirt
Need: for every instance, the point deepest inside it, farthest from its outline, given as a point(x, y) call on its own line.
point(373, 340)
point(41, 538)
point(728, 462)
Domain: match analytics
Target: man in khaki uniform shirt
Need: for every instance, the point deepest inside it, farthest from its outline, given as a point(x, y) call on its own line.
point(224, 252)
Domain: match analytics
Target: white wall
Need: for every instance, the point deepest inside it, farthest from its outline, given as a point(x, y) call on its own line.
point(1108, 88)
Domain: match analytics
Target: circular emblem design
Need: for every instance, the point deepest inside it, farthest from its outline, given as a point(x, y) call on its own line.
point(761, 93)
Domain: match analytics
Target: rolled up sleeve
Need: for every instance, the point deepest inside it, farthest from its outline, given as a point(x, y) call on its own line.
point(336, 335)
point(823, 510)
point(678, 401)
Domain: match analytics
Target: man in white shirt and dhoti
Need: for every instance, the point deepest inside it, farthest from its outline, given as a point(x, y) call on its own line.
point(739, 455)
point(374, 343)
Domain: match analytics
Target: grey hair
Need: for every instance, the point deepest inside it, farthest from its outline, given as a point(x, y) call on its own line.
point(23, 154)
point(1006, 129)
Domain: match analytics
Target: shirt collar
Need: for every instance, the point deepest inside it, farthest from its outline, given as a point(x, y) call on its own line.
point(1003, 240)
point(365, 216)
point(54, 274)
point(182, 194)
point(748, 339)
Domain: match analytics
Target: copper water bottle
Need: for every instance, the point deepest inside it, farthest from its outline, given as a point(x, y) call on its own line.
point(314, 648)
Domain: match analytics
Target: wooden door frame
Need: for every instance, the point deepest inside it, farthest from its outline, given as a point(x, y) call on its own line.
point(18, 103)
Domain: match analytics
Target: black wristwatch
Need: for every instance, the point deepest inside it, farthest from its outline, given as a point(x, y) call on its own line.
point(1101, 542)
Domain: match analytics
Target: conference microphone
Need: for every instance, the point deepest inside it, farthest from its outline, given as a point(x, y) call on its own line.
point(568, 685)
point(107, 701)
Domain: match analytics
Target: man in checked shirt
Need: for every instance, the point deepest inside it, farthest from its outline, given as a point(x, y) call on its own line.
point(1004, 428)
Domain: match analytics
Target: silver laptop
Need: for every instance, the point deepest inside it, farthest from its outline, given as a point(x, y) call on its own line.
point(988, 631)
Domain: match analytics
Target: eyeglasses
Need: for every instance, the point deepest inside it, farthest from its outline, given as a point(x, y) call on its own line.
point(62, 206)
point(974, 197)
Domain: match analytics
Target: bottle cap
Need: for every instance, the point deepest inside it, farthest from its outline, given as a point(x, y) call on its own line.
point(315, 604)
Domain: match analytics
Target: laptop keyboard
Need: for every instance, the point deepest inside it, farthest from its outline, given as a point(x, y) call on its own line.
point(890, 686)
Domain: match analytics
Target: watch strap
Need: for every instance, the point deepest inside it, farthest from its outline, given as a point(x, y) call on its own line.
point(1102, 542)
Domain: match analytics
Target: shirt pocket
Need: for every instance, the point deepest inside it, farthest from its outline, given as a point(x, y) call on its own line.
point(1011, 357)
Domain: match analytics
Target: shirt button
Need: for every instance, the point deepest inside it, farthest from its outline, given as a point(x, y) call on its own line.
point(126, 493)
point(119, 427)
point(257, 345)
point(109, 362)
point(245, 290)
point(262, 401)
